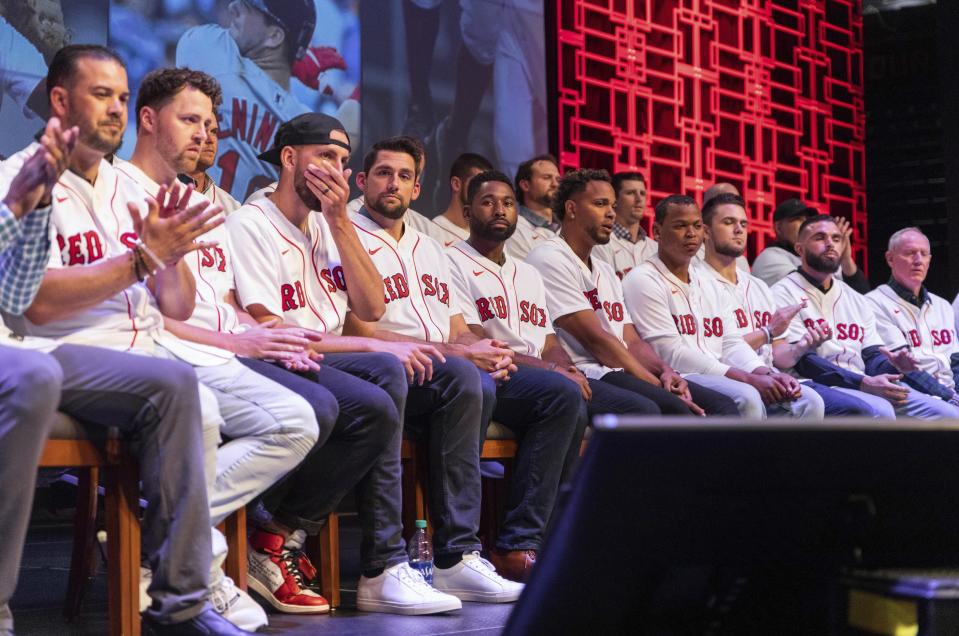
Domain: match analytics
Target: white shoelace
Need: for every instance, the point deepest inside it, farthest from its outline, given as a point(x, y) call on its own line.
point(224, 596)
point(413, 578)
point(484, 567)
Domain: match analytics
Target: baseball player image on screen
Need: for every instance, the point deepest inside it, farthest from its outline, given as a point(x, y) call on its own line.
point(682, 312)
point(543, 401)
point(453, 405)
point(585, 299)
point(254, 59)
point(853, 359)
point(906, 310)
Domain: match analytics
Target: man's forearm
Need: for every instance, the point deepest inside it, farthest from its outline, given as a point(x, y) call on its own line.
point(192, 333)
point(647, 356)
point(175, 291)
point(69, 290)
point(364, 284)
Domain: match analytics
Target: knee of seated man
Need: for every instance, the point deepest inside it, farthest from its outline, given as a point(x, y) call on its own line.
point(44, 376)
point(466, 377)
point(301, 425)
point(390, 376)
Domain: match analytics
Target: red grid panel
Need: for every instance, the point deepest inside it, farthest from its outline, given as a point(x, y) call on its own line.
point(765, 94)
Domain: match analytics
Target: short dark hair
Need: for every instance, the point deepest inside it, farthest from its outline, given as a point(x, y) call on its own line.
point(468, 161)
point(723, 198)
point(818, 218)
point(679, 200)
point(162, 85)
point(525, 173)
point(402, 143)
point(571, 184)
point(485, 177)
point(619, 177)
point(64, 62)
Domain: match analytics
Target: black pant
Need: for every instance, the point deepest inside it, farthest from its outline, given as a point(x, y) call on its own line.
point(620, 393)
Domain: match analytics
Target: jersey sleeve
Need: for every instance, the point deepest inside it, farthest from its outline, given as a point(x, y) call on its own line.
point(564, 295)
point(208, 48)
point(736, 351)
point(886, 329)
point(256, 273)
point(648, 307)
point(460, 291)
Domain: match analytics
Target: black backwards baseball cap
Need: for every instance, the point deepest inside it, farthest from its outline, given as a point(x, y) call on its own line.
point(303, 130)
point(296, 17)
point(793, 208)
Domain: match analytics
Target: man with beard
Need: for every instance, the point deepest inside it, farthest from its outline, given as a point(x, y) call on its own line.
point(781, 258)
point(105, 285)
point(678, 308)
point(202, 181)
point(543, 402)
point(585, 299)
point(910, 312)
point(754, 308)
point(451, 226)
point(841, 361)
point(299, 263)
point(629, 245)
point(452, 406)
point(536, 183)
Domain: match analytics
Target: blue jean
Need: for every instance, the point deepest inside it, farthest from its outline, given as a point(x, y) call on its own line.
point(451, 412)
point(547, 413)
point(360, 393)
point(839, 403)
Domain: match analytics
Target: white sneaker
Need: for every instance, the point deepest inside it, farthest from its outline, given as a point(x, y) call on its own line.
point(146, 577)
point(237, 606)
point(475, 579)
point(402, 590)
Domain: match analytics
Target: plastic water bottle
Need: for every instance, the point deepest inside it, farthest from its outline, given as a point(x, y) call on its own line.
point(421, 551)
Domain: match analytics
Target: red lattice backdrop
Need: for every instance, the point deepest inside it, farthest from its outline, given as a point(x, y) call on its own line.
point(765, 94)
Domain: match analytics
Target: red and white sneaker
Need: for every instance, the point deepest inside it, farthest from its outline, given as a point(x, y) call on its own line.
point(281, 573)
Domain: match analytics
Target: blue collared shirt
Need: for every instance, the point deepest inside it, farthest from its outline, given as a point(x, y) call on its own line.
point(537, 220)
point(24, 252)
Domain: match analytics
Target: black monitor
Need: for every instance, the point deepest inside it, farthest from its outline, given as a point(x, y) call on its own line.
point(720, 527)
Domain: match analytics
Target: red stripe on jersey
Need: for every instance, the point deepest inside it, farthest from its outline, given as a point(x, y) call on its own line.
point(302, 261)
point(316, 274)
point(406, 275)
point(216, 305)
point(699, 328)
point(419, 282)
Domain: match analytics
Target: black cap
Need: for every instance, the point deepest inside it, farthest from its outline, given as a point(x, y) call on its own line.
point(302, 130)
point(792, 208)
point(296, 17)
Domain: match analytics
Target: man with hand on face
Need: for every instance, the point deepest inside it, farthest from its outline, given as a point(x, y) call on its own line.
point(679, 309)
point(301, 264)
point(202, 181)
point(543, 402)
point(629, 245)
point(108, 277)
point(845, 360)
point(452, 403)
point(585, 299)
point(536, 183)
point(907, 310)
point(726, 224)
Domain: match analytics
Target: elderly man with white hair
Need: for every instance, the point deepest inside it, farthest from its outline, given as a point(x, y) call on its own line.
point(907, 314)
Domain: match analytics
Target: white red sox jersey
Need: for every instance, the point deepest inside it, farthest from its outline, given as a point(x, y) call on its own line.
point(929, 330)
point(508, 301)
point(216, 194)
point(295, 275)
point(254, 106)
point(526, 237)
point(690, 325)
point(572, 287)
point(210, 266)
point(752, 302)
point(849, 315)
point(417, 285)
point(445, 232)
point(624, 255)
point(90, 223)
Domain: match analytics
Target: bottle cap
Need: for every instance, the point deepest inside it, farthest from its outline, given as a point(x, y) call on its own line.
point(421, 523)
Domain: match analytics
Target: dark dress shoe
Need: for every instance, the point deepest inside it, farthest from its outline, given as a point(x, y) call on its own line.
point(206, 623)
point(515, 565)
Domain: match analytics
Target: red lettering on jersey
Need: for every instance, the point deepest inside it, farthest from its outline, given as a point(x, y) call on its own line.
point(621, 275)
point(292, 296)
point(94, 246)
point(238, 125)
point(941, 337)
point(428, 288)
point(334, 279)
point(685, 324)
point(500, 303)
point(713, 327)
point(914, 338)
point(62, 244)
point(593, 297)
point(129, 239)
point(74, 253)
point(850, 331)
point(761, 318)
point(434, 287)
point(249, 134)
point(809, 322)
point(483, 307)
point(614, 311)
point(264, 135)
point(741, 318)
point(444, 295)
point(529, 312)
point(396, 287)
point(213, 258)
point(391, 293)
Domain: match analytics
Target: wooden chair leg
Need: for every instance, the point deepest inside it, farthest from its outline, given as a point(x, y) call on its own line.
point(123, 547)
point(235, 566)
point(83, 562)
point(329, 561)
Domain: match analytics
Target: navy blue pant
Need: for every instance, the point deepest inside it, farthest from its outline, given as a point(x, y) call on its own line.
point(547, 413)
point(839, 403)
point(620, 393)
